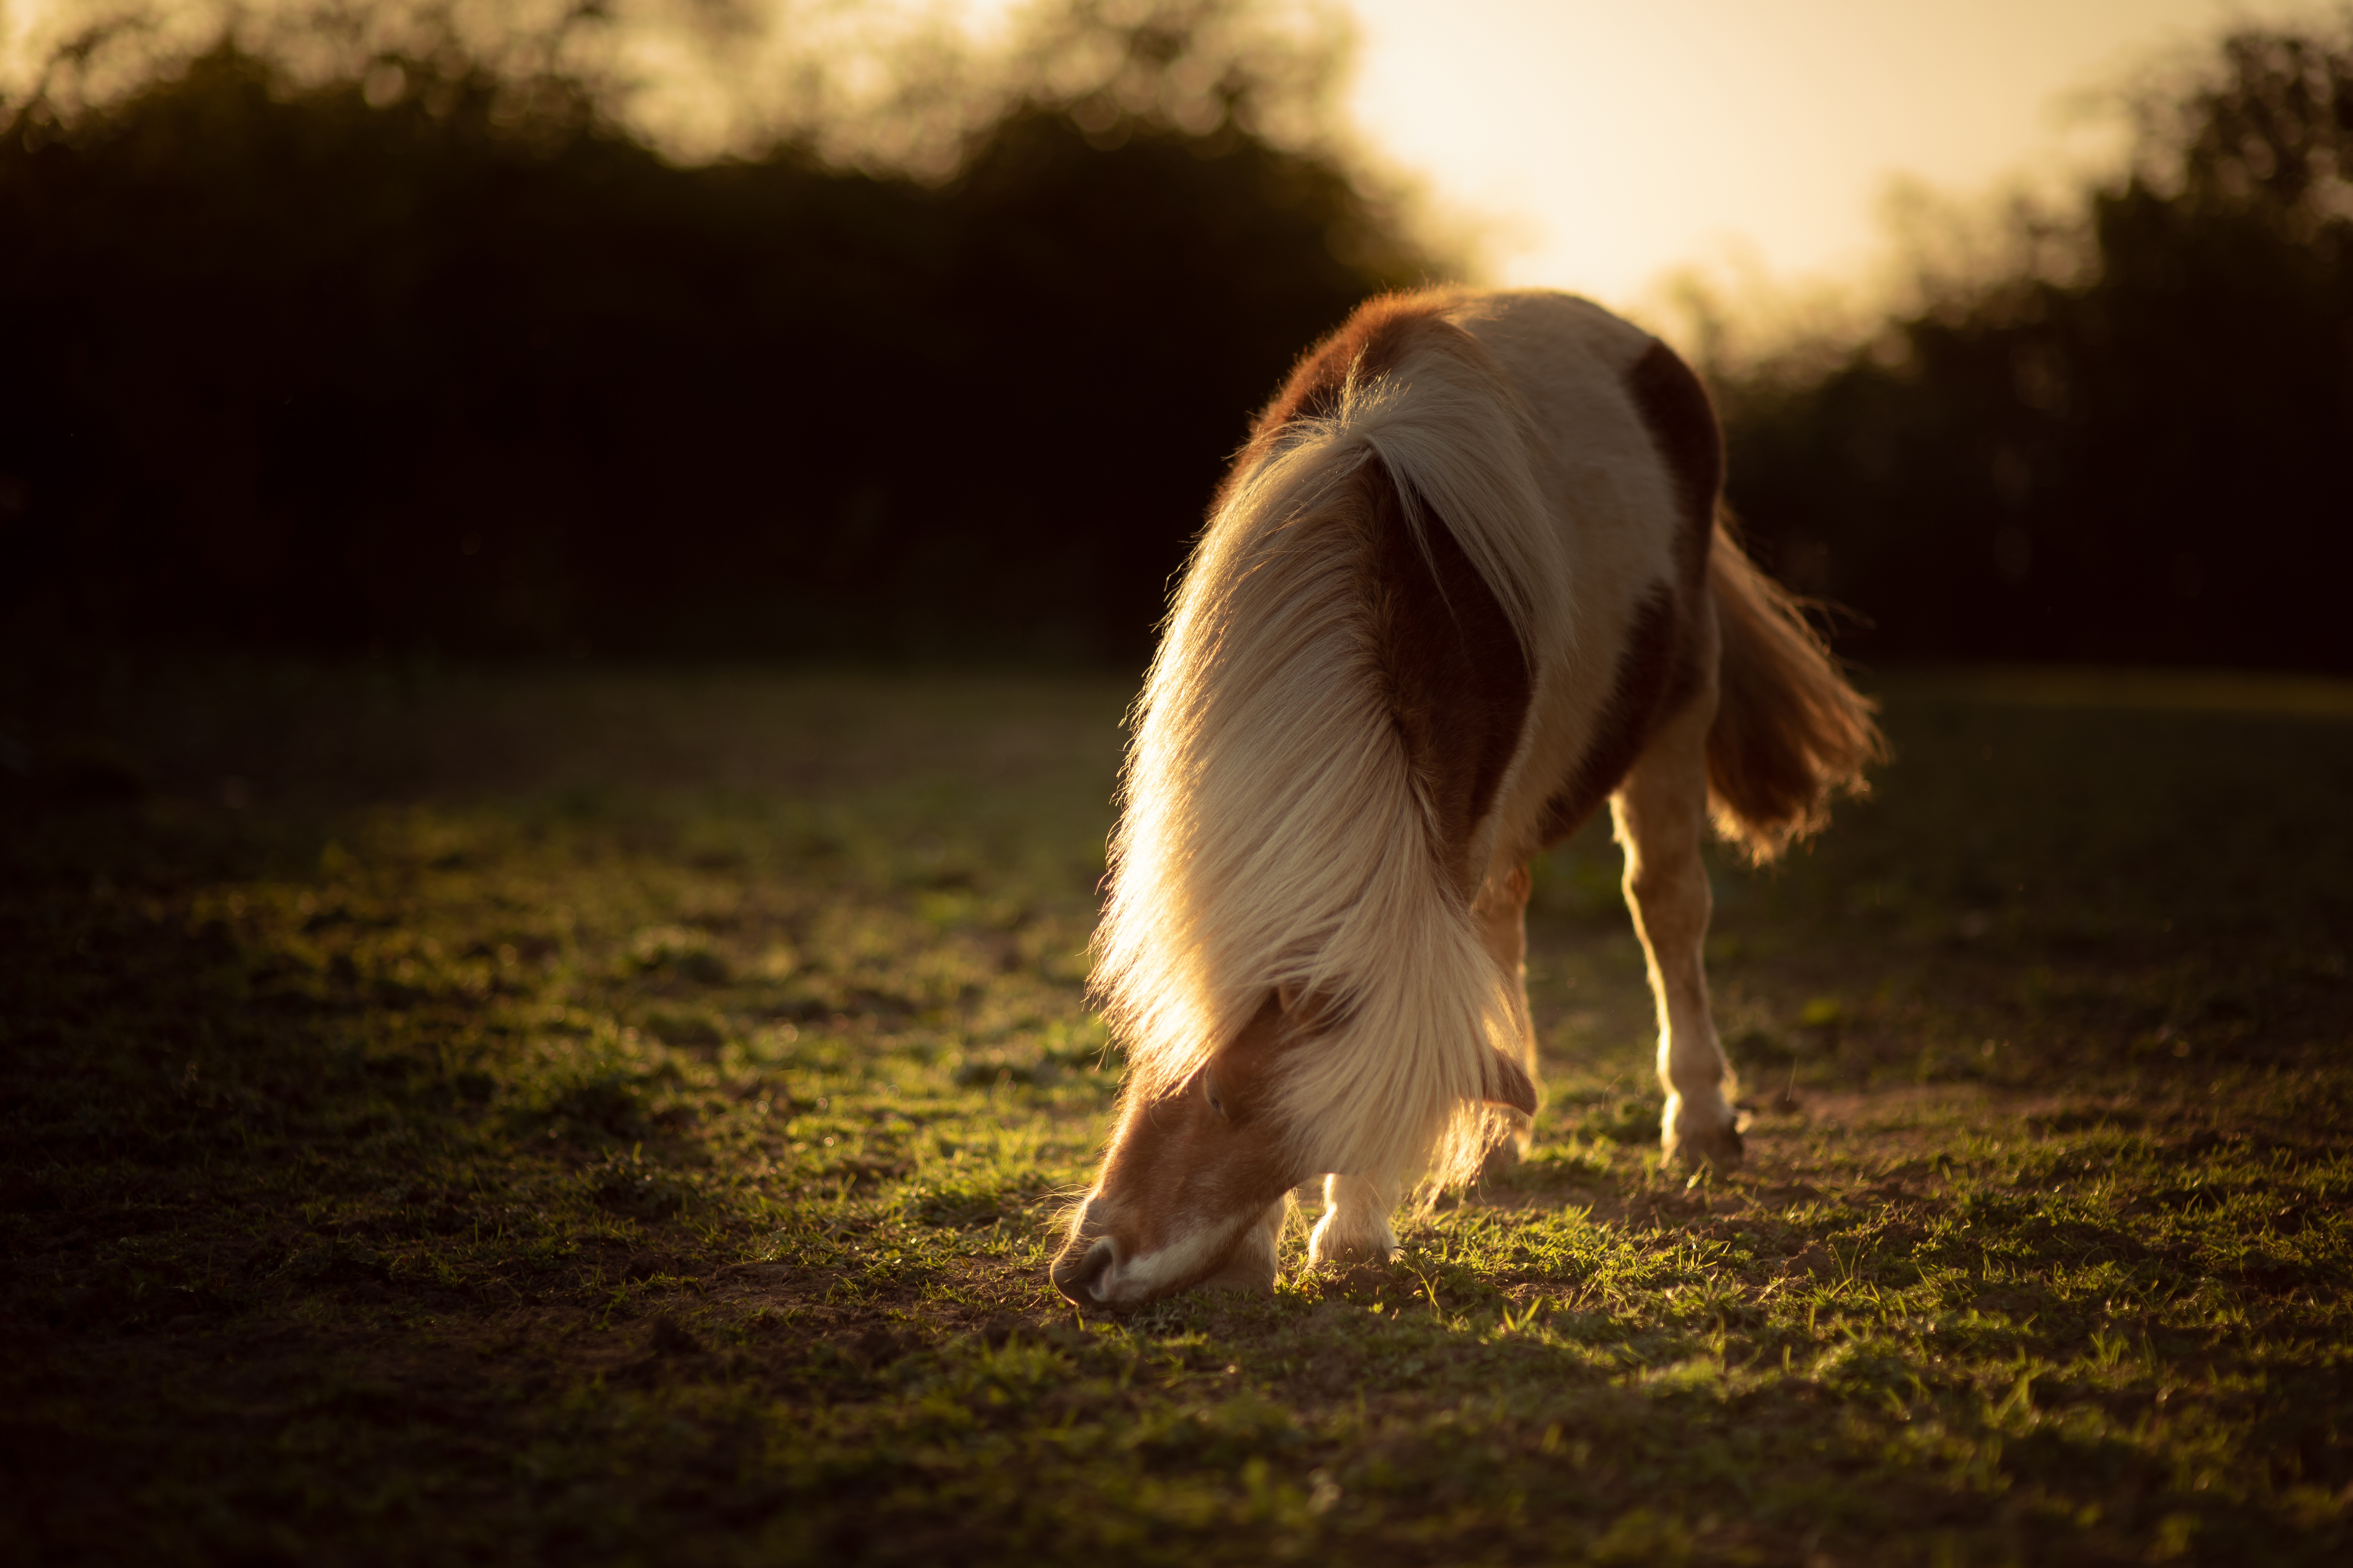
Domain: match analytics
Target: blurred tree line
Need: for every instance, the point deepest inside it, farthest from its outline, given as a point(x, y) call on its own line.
point(431, 350)
point(432, 353)
point(2132, 447)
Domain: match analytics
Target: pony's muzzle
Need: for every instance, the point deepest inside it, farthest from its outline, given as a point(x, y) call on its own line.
point(1076, 1272)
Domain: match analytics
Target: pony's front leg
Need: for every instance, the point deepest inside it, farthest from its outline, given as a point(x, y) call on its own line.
point(1660, 813)
point(1502, 914)
point(1356, 1223)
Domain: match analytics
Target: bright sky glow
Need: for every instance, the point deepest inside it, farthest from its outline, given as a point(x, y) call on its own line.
point(1612, 143)
point(1600, 145)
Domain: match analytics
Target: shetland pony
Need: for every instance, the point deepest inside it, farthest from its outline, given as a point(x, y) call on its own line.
point(1467, 581)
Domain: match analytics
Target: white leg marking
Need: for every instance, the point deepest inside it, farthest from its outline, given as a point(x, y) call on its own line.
point(1356, 1223)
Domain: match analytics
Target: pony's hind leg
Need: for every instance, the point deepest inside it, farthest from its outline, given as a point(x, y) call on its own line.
point(1660, 813)
point(1501, 913)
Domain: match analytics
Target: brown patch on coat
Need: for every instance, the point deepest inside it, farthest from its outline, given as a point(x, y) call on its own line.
point(1674, 405)
point(1369, 344)
point(1458, 680)
point(1655, 674)
point(1662, 664)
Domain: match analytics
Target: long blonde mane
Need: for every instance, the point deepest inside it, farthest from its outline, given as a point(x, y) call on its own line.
point(1273, 831)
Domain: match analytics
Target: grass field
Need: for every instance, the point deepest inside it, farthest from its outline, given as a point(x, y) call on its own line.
point(609, 1117)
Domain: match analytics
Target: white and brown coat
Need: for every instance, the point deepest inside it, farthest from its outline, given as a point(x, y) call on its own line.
point(1466, 583)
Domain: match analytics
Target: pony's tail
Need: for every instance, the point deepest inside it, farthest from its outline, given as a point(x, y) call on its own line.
point(1790, 733)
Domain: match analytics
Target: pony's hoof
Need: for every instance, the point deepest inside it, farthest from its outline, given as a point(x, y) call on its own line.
point(1350, 1254)
point(1328, 1248)
point(1719, 1150)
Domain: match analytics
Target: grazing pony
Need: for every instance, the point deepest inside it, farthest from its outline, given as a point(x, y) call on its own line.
point(1467, 581)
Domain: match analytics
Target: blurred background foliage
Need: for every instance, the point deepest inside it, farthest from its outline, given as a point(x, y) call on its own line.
point(2125, 442)
point(420, 345)
point(414, 327)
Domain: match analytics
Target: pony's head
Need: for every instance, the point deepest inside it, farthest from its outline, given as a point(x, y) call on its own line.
point(1192, 1186)
point(1191, 1174)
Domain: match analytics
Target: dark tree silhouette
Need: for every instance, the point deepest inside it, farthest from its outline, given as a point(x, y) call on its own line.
point(2146, 464)
point(477, 370)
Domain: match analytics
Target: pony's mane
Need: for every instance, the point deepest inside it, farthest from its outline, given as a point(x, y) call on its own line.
point(1274, 832)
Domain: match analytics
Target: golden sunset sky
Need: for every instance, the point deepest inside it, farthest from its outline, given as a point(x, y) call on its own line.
point(1600, 145)
point(1617, 139)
